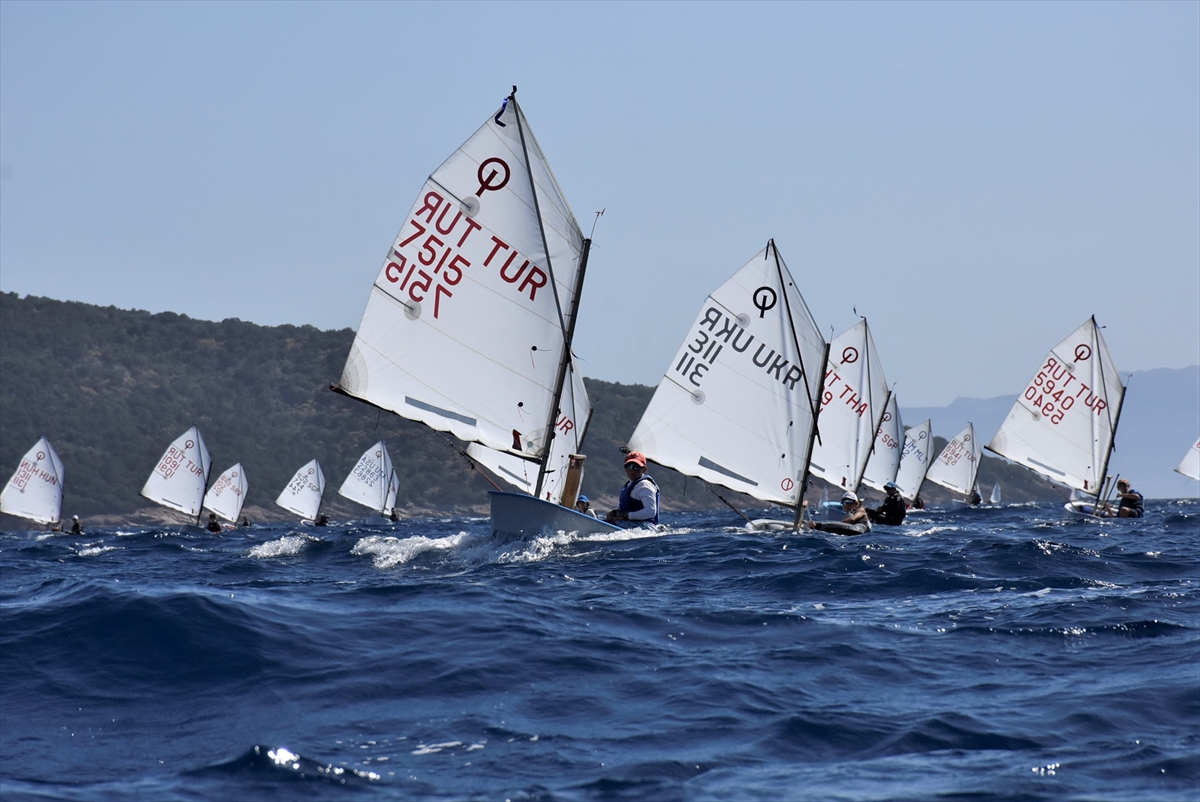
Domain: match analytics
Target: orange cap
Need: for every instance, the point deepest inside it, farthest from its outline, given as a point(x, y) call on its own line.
point(636, 457)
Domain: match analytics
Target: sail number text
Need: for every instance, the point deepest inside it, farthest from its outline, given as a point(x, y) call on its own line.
point(1054, 390)
point(30, 470)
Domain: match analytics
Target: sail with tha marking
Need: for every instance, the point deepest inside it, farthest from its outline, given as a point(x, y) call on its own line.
point(302, 495)
point(958, 464)
point(1064, 422)
point(35, 490)
point(1189, 466)
point(915, 460)
point(373, 481)
point(884, 463)
point(737, 406)
point(228, 493)
point(465, 326)
point(852, 407)
point(179, 479)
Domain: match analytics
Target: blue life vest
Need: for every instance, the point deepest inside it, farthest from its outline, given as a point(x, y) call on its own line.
point(1138, 506)
point(630, 504)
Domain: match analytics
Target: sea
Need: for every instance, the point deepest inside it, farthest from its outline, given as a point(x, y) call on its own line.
point(1000, 653)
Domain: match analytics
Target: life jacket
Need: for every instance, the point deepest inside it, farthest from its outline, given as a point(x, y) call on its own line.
point(629, 504)
point(1139, 505)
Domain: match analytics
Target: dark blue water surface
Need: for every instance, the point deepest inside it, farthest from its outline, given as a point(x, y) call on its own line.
point(988, 654)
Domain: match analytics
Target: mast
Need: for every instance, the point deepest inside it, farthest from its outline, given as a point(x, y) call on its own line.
point(876, 421)
point(1112, 442)
point(812, 439)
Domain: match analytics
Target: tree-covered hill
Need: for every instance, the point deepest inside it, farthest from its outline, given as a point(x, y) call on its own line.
point(111, 388)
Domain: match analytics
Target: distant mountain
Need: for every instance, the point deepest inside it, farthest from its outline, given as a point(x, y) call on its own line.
point(1160, 420)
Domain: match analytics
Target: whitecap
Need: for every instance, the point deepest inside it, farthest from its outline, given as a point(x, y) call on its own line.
point(388, 552)
point(287, 546)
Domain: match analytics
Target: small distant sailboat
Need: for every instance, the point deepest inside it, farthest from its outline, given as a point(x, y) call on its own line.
point(35, 490)
point(1064, 423)
point(915, 461)
point(1189, 466)
point(373, 482)
point(302, 495)
point(994, 499)
point(228, 494)
point(179, 479)
point(958, 464)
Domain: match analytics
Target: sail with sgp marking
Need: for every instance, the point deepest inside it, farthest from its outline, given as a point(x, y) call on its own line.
point(179, 478)
point(464, 327)
point(36, 488)
point(228, 494)
point(738, 402)
point(303, 492)
point(915, 460)
point(852, 407)
point(1064, 422)
point(372, 482)
point(1189, 466)
point(958, 464)
point(884, 462)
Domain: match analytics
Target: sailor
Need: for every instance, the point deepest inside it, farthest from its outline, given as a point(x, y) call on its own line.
point(639, 497)
point(322, 520)
point(855, 521)
point(918, 503)
point(584, 506)
point(245, 522)
point(1132, 504)
point(213, 524)
point(394, 515)
point(976, 497)
point(891, 512)
point(76, 527)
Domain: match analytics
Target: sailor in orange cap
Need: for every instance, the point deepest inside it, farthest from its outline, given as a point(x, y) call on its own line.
point(639, 496)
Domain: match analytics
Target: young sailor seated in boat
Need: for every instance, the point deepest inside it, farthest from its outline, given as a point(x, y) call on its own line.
point(584, 506)
point(855, 521)
point(1132, 504)
point(891, 511)
point(639, 497)
point(213, 524)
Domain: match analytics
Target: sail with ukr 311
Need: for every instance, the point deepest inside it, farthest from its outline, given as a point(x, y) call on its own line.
point(915, 461)
point(738, 404)
point(303, 492)
point(228, 493)
point(1064, 422)
point(958, 464)
point(35, 490)
point(179, 479)
point(372, 482)
point(856, 394)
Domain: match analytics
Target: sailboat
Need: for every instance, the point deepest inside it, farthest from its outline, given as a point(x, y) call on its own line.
point(227, 494)
point(373, 482)
point(1189, 466)
point(958, 464)
point(303, 492)
point(855, 396)
point(995, 497)
point(915, 461)
point(469, 323)
point(884, 463)
point(1064, 423)
point(738, 404)
point(35, 490)
point(179, 479)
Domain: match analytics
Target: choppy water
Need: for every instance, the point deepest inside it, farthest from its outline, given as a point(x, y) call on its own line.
point(987, 654)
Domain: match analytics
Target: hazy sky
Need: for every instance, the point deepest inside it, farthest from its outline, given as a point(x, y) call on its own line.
point(977, 179)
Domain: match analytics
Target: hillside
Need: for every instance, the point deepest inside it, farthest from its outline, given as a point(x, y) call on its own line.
point(112, 388)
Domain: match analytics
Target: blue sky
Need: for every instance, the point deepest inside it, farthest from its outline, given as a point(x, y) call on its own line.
point(977, 178)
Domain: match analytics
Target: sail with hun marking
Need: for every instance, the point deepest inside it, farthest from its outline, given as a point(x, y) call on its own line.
point(179, 479)
point(915, 460)
point(302, 495)
point(852, 407)
point(36, 488)
point(228, 493)
point(1064, 422)
point(373, 481)
point(884, 462)
point(464, 327)
point(738, 402)
point(958, 464)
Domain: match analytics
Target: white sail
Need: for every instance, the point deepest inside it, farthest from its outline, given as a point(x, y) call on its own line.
point(1189, 466)
point(35, 490)
point(851, 408)
point(884, 464)
point(995, 497)
point(227, 494)
point(464, 328)
point(569, 431)
point(373, 482)
point(915, 461)
point(955, 468)
point(737, 404)
point(179, 479)
point(302, 495)
point(1064, 422)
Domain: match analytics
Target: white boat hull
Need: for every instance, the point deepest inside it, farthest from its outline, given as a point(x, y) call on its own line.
point(518, 516)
